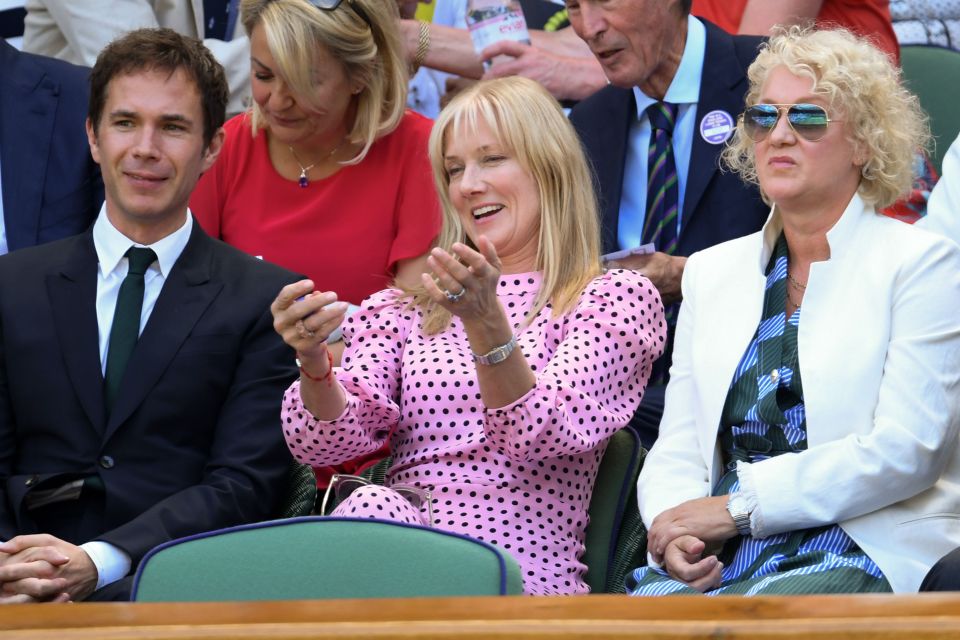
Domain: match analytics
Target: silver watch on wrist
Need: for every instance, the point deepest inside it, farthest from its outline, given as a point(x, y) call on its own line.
point(497, 354)
point(739, 510)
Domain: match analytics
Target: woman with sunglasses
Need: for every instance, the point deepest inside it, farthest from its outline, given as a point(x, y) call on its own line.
point(499, 380)
point(809, 441)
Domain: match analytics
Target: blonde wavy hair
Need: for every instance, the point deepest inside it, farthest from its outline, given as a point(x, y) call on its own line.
point(531, 125)
point(857, 80)
point(372, 57)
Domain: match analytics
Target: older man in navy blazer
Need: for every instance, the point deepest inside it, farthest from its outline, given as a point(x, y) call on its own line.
point(137, 403)
point(49, 184)
point(653, 50)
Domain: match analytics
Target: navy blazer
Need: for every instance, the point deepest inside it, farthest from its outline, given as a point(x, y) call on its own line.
point(194, 442)
point(717, 205)
point(51, 186)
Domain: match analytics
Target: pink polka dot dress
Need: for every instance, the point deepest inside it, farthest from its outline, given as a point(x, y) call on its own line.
point(518, 476)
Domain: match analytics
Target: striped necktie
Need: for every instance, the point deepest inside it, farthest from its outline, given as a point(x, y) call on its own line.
point(660, 225)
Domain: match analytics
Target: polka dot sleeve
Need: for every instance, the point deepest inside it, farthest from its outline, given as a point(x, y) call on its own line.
point(370, 377)
point(591, 385)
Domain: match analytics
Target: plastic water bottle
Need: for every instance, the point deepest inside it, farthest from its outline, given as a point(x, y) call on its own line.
point(491, 21)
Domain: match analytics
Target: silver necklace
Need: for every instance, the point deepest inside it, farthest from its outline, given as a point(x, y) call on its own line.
point(303, 181)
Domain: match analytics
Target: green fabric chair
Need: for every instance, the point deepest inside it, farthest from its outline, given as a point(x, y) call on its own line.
point(933, 73)
point(616, 541)
point(312, 557)
point(301, 492)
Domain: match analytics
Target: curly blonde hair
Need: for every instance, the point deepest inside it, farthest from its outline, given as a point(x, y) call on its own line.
point(530, 124)
point(856, 79)
point(372, 56)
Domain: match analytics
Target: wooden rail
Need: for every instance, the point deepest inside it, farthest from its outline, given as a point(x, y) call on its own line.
point(882, 617)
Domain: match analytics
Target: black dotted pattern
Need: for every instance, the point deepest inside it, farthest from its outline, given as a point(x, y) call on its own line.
point(519, 476)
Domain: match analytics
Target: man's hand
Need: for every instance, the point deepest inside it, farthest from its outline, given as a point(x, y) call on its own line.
point(564, 77)
point(704, 518)
point(663, 270)
point(44, 568)
point(684, 561)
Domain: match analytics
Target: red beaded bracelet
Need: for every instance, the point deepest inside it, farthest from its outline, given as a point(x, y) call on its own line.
point(329, 375)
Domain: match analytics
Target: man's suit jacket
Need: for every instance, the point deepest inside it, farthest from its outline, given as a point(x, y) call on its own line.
point(77, 31)
point(51, 186)
point(194, 441)
point(717, 206)
point(879, 350)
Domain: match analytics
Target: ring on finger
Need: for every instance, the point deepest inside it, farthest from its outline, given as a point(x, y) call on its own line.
point(453, 297)
point(305, 333)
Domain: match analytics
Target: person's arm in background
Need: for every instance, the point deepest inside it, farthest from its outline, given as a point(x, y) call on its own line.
point(90, 25)
point(559, 60)
point(759, 16)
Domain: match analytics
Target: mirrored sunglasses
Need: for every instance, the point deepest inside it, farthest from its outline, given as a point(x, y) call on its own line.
point(342, 485)
point(809, 121)
point(330, 5)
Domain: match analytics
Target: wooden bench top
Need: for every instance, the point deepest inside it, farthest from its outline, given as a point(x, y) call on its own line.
point(923, 616)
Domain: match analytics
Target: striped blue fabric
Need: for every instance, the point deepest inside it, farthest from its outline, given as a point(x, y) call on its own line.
point(764, 416)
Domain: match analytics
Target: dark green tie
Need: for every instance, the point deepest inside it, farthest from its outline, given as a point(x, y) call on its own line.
point(126, 320)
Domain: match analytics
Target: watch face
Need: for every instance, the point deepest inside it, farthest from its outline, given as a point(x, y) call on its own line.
point(737, 505)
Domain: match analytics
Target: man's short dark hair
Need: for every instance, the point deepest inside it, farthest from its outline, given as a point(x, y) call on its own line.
point(685, 6)
point(162, 50)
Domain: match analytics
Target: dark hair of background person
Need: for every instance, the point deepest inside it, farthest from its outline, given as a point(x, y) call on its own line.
point(162, 50)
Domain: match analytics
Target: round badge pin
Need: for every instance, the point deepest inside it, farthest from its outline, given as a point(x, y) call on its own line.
point(716, 127)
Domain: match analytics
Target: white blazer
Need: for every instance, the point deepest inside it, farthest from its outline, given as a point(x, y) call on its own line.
point(879, 347)
point(76, 31)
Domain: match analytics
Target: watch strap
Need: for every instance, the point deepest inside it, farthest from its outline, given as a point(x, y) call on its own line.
point(497, 354)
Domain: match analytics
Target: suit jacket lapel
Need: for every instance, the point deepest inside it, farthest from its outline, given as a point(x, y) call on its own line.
point(73, 293)
point(722, 88)
point(612, 136)
point(186, 294)
point(28, 103)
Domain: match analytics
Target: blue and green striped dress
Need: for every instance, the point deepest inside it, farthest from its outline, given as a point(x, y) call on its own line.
point(764, 417)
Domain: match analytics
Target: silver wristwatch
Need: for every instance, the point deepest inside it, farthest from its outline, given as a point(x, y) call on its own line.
point(497, 354)
point(740, 512)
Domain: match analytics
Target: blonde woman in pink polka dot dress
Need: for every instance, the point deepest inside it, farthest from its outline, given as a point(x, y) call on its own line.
point(498, 382)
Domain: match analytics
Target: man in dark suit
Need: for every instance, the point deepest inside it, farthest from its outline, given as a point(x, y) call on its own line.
point(650, 51)
point(115, 442)
point(50, 186)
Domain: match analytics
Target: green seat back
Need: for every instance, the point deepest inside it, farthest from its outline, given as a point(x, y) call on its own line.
point(314, 557)
point(933, 73)
point(301, 492)
point(615, 529)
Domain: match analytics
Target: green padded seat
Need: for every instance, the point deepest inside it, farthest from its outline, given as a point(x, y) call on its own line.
point(301, 492)
point(933, 73)
point(314, 557)
point(615, 537)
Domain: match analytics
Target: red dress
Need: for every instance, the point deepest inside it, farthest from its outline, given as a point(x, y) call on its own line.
point(346, 232)
point(870, 18)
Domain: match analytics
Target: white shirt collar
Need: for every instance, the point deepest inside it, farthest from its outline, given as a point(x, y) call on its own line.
point(839, 235)
point(685, 86)
point(111, 245)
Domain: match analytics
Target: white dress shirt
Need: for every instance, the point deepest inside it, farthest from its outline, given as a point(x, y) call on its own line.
point(684, 91)
point(113, 563)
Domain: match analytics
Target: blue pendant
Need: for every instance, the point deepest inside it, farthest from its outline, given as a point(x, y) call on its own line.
point(304, 182)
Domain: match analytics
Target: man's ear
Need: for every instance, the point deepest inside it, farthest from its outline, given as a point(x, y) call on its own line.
point(212, 152)
point(92, 140)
